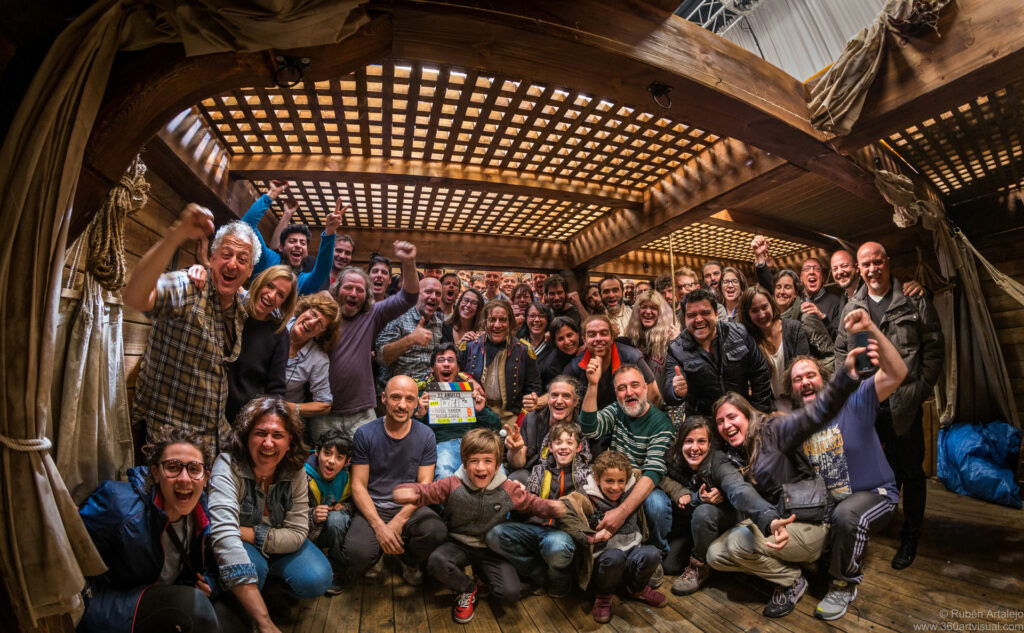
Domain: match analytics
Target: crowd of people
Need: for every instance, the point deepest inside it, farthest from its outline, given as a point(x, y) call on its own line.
point(617, 434)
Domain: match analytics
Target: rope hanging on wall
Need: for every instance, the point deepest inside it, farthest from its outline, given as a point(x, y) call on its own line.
point(105, 259)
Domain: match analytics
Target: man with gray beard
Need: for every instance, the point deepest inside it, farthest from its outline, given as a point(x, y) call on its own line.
point(643, 434)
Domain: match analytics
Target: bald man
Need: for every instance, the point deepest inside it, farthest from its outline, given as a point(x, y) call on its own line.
point(912, 324)
point(392, 450)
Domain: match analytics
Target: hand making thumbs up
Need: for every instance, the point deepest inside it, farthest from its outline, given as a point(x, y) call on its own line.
point(679, 383)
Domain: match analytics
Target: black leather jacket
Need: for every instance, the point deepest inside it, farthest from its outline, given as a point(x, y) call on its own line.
point(740, 367)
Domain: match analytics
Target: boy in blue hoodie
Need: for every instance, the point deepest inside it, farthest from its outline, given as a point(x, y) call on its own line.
point(330, 507)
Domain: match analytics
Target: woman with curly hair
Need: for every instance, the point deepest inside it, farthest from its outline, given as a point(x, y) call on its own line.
point(651, 329)
point(151, 532)
point(311, 336)
point(259, 510)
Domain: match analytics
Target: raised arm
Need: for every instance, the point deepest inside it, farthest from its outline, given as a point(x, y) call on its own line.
point(140, 291)
point(406, 252)
point(892, 371)
point(290, 206)
point(325, 252)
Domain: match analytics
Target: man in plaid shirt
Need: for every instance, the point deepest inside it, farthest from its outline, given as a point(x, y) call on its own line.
point(196, 332)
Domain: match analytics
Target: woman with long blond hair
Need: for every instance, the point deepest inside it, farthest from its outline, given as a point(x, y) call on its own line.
point(651, 329)
point(260, 368)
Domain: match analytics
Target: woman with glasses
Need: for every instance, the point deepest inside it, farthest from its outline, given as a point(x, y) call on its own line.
point(464, 323)
point(535, 331)
point(733, 284)
point(521, 298)
point(259, 507)
point(151, 532)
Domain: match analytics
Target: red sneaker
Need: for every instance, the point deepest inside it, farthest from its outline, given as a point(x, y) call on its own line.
point(465, 604)
point(650, 597)
point(602, 610)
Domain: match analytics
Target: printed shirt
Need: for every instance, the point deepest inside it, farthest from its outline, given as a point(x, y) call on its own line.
point(183, 374)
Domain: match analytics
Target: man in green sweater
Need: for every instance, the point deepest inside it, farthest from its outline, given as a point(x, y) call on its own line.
point(643, 433)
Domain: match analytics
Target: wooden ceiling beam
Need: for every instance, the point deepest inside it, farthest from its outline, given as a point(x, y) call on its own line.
point(413, 172)
point(189, 155)
point(466, 250)
point(148, 88)
point(770, 227)
point(616, 50)
point(978, 49)
point(730, 173)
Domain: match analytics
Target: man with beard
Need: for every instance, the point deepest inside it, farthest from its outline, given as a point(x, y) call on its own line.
point(196, 332)
point(296, 253)
point(538, 280)
point(642, 433)
point(713, 277)
point(362, 319)
point(848, 455)
point(556, 296)
point(392, 450)
point(913, 325)
point(844, 271)
point(628, 292)
point(611, 297)
point(712, 357)
point(404, 346)
point(450, 286)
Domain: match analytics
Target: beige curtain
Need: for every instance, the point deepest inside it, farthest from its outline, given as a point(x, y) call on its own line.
point(977, 387)
point(93, 436)
point(45, 551)
point(835, 99)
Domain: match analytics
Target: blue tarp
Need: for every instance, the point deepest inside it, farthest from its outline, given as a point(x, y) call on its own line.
point(979, 460)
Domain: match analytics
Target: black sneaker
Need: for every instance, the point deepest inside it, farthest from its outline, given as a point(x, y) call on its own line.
point(905, 554)
point(784, 599)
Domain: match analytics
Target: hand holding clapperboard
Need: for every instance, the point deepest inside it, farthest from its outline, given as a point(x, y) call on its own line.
point(451, 403)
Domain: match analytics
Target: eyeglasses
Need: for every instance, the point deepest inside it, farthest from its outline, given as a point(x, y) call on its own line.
point(172, 468)
point(730, 282)
point(810, 267)
point(470, 302)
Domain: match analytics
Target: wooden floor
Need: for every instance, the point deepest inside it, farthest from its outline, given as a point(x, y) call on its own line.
point(968, 576)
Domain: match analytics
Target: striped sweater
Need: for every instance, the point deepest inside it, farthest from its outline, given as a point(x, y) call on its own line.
point(644, 440)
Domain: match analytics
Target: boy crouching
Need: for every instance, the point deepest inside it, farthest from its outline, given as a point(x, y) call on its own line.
point(476, 498)
point(330, 498)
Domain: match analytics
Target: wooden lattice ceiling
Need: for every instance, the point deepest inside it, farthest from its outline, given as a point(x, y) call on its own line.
point(974, 146)
point(707, 240)
point(428, 207)
point(444, 115)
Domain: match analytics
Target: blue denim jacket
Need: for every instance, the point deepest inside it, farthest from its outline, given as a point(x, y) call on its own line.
point(236, 501)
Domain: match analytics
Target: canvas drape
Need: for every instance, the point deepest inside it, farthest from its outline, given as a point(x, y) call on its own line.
point(835, 99)
point(44, 547)
point(977, 386)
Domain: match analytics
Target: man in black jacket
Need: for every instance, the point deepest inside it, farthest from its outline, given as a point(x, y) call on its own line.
point(710, 358)
point(912, 324)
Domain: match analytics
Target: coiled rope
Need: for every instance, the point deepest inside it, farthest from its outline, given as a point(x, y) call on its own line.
point(105, 258)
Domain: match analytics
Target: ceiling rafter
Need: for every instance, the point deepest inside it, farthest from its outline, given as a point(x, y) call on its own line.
point(341, 168)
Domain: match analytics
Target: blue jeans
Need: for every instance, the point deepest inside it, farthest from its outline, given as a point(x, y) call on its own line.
point(448, 458)
point(658, 509)
point(306, 570)
point(332, 535)
point(532, 548)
